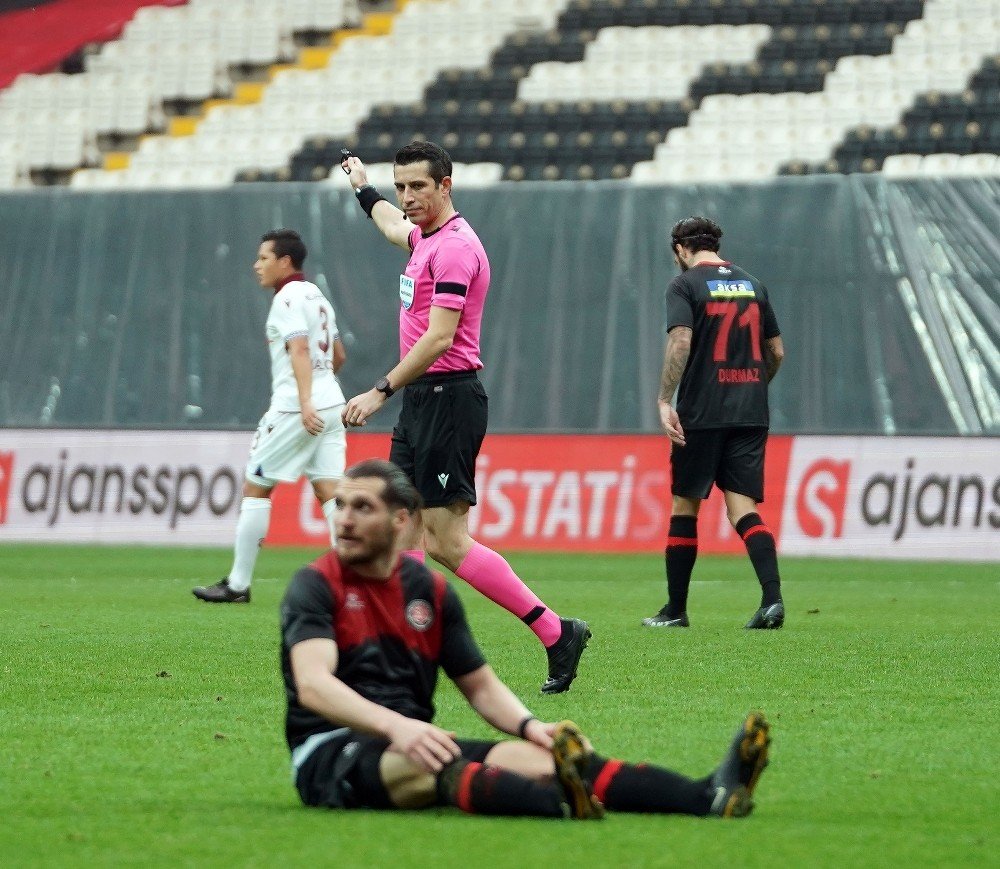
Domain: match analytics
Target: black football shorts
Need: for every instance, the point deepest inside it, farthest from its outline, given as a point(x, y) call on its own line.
point(731, 458)
point(437, 438)
point(343, 772)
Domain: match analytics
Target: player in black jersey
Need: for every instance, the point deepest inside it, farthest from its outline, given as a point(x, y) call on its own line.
point(364, 631)
point(723, 349)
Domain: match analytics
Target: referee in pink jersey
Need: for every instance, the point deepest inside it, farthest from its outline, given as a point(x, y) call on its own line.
point(443, 419)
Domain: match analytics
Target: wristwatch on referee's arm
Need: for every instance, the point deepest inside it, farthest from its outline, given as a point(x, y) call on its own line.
point(382, 385)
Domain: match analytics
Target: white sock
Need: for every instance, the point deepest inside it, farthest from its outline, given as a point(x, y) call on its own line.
point(329, 508)
point(251, 529)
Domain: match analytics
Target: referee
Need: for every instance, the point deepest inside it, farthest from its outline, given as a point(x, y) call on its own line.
point(443, 419)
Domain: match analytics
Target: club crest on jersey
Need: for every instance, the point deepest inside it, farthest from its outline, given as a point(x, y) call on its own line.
point(420, 615)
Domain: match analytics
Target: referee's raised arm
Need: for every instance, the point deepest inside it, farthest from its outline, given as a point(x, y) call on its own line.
point(392, 222)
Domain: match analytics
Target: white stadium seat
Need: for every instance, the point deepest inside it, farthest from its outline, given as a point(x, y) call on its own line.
point(913, 165)
point(465, 175)
point(657, 171)
point(984, 165)
point(939, 164)
point(902, 165)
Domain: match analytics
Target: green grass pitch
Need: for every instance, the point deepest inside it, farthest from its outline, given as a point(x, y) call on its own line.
point(142, 727)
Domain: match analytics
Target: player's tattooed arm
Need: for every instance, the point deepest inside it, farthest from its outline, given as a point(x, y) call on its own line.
point(675, 357)
point(774, 354)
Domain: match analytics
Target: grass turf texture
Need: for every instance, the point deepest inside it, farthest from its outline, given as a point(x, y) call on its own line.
point(141, 726)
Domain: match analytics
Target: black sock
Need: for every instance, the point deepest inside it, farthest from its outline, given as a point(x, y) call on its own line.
point(763, 554)
point(624, 787)
point(482, 789)
point(681, 552)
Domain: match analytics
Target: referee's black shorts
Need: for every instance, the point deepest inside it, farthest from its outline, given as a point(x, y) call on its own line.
point(343, 772)
point(440, 429)
point(732, 458)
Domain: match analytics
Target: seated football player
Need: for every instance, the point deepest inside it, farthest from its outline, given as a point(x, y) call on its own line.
point(365, 631)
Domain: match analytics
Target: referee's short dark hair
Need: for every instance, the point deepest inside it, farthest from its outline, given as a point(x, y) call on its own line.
point(399, 491)
point(437, 158)
point(287, 242)
point(696, 233)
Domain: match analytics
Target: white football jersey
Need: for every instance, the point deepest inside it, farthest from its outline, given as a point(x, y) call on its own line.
point(300, 310)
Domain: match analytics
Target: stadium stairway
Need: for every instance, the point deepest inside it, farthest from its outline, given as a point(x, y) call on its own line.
point(167, 61)
point(329, 96)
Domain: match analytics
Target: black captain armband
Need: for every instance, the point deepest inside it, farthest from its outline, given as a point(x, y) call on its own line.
point(367, 197)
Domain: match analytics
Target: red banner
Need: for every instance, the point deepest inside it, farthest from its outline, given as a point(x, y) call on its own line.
point(861, 497)
point(6, 473)
point(600, 493)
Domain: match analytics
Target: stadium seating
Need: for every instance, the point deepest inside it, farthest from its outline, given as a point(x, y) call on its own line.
point(179, 55)
point(329, 101)
point(941, 164)
point(652, 90)
point(646, 68)
point(37, 37)
point(965, 122)
point(865, 89)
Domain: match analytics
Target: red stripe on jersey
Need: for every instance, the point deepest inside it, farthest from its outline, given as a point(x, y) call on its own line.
point(405, 607)
point(605, 777)
point(463, 795)
point(756, 529)
point(328, 566)
point(682, 541)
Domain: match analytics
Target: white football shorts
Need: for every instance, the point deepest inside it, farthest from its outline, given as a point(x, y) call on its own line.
point(282, 450)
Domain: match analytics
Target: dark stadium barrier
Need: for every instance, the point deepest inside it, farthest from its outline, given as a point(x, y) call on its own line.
point(139, 310)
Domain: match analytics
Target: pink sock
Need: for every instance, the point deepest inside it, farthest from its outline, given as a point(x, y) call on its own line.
point(416, 555)
point(489, 574)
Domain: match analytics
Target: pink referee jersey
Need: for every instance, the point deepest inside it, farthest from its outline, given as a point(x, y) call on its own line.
point(447, 268)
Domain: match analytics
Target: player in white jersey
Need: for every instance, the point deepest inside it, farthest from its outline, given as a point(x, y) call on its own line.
point(302, 432)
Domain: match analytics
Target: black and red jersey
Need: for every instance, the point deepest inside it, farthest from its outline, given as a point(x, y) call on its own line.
point(729, 312)
point(391, 636)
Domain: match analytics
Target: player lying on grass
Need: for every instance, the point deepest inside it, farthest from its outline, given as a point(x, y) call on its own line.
point(364, 632)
